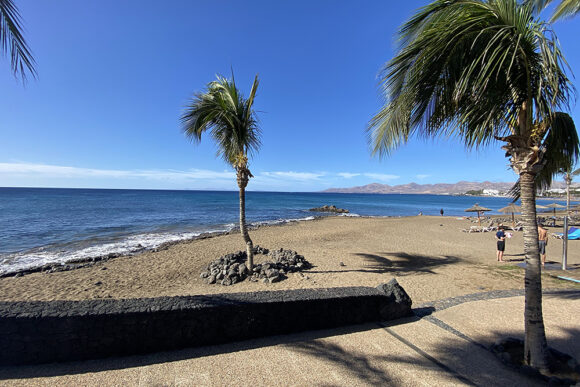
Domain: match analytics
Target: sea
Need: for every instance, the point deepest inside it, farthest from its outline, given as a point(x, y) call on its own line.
point(41, 226)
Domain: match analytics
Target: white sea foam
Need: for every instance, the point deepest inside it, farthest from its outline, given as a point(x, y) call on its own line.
point(15, 262)
point(281, 221)
point(41, 256)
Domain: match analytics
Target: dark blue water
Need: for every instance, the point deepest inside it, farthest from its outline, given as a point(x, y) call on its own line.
point(39, 225)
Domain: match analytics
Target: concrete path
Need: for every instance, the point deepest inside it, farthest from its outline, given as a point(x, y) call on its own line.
point(447, 345)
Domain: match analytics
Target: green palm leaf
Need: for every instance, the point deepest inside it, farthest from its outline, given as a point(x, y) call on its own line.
point(470, 77)
point(224, 111)
point(12, 41)
point(566, 8)
point(561, 153)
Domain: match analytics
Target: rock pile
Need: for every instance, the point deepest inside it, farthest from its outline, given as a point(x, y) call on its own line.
point(329, 209)
point(231, 268)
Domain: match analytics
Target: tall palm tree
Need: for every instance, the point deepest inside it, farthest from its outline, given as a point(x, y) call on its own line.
point(483, 70)
point(233, 124)
point(12, 41)
point(566, 8)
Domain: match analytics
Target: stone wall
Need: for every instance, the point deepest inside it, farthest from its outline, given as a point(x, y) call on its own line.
point(52, 331)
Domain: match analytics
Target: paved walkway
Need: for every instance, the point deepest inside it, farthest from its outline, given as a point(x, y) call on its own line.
point(446, 345)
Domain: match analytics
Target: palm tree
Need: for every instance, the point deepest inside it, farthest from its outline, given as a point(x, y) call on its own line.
point(483, 70)
point(233, 124)
point(566, 8)
point(12, 42)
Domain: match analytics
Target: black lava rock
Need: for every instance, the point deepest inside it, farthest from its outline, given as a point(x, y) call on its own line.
point(400, 302)
point(231, 268)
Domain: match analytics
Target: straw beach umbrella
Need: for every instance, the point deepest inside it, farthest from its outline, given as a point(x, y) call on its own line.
point(477, 208)
point(513, 208)
point(554, 206)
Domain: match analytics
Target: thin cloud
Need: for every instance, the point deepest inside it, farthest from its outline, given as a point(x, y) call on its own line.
point(348, 175)
point(36, 174)
point(301, 176)
point(421, 177)
point(45, 174)
point(58, 171)
point(381, 176)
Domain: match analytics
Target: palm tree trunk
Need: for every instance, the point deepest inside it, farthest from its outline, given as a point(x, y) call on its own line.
point(242, 183)
point(536, 347)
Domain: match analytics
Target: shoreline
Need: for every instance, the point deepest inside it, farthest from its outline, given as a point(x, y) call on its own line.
point(77, 242)
point(428, 255)
point(83, 262)
point(78, 263)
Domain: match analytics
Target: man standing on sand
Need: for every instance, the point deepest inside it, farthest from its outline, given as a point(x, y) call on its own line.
point(500, 236)
point(542, 242)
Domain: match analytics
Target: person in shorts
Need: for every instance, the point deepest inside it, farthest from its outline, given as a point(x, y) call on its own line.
point(500, 236)
point(542, 242)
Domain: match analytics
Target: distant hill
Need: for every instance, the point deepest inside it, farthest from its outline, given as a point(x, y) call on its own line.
point(436, 189)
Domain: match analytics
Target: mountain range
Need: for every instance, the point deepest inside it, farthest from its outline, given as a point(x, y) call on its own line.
point(437, 189)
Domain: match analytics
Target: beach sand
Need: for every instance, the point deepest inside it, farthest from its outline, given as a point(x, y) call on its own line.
point(428, 255)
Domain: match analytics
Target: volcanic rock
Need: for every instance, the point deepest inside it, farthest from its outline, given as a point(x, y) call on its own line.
point(328, 208)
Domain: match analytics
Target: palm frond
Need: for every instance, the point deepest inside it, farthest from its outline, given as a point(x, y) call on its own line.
point(560, 146)
point(566, 8)
point(464, 69)
point(224, 111)
point(12, 41)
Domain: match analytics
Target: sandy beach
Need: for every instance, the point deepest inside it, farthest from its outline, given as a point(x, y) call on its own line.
point(429, 256)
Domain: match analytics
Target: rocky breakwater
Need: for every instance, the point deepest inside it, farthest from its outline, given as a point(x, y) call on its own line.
point(333, 209)
point(231, 268)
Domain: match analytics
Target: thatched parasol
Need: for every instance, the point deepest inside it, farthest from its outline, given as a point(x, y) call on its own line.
point(511, 208)
point(554, 206)
point(477, 208)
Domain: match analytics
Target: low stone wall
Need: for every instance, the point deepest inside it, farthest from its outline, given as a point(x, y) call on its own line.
point(52, 331)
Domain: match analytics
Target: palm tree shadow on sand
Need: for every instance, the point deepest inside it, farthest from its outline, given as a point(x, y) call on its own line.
point(399, 262)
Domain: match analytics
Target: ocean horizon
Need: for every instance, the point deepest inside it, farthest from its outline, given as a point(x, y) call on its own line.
point(56, 225)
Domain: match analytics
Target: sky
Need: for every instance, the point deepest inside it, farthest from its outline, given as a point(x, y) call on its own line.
point(114, 77)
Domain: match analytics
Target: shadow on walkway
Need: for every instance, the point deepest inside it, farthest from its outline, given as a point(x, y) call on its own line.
point(116, 363)
point(359, 366)
point(409, 360)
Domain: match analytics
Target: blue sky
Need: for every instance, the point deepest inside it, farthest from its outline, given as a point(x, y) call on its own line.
point(114, 77)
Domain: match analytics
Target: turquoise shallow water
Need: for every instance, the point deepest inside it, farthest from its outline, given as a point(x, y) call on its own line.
point(39, 226)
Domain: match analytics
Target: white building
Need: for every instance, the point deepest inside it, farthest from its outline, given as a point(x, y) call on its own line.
point(491, 192)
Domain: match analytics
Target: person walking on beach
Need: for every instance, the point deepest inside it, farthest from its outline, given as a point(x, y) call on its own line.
point(542, 242)
point(500, 236)
point(441, 212)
